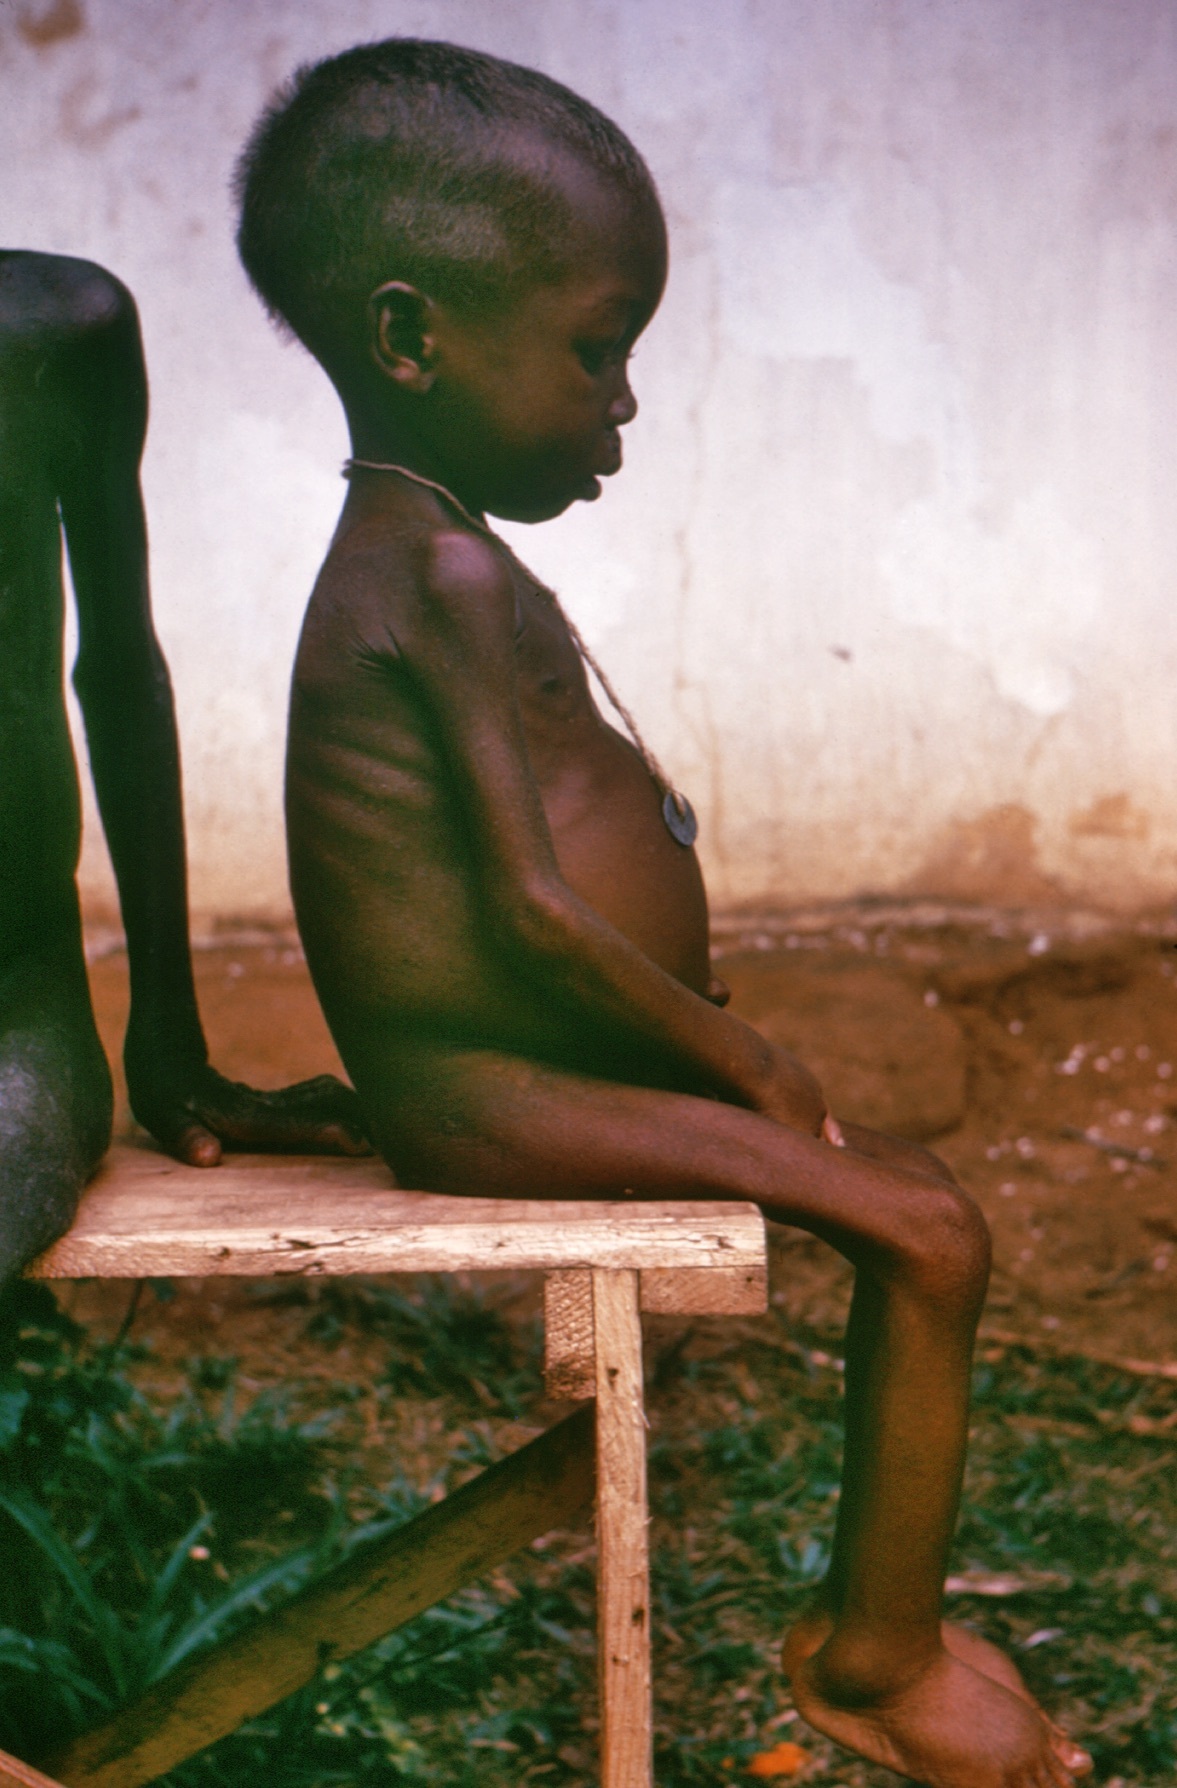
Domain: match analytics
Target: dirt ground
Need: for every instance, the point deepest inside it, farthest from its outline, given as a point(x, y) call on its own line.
point(1036, 1052)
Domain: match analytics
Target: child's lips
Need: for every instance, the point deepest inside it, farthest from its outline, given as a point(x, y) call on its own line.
point(610, 459)
point(608, 462)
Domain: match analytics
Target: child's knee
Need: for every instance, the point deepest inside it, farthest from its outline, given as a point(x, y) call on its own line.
point(950, 1249)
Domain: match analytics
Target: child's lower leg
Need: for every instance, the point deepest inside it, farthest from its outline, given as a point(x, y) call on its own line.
point(871, 1663)
point(868, 1666)
point(908, 1356)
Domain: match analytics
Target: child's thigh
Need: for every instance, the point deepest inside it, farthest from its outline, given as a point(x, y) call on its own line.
point(485, 1123)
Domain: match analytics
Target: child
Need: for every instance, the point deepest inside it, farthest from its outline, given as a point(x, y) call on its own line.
point(73, 409)
point(500, 907)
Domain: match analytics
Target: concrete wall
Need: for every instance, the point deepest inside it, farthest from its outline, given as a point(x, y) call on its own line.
point(889, 574)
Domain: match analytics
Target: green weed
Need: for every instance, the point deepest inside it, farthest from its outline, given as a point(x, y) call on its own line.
point(444, 1339)
point(117, 1517)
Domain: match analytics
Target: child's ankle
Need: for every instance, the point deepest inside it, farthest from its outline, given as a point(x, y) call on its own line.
point(859, 1669)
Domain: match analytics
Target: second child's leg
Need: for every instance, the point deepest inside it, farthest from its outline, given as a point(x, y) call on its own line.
point(877, 1676)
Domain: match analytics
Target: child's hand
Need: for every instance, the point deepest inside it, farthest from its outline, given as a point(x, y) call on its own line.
point(194, 1114)
point(794, 1097)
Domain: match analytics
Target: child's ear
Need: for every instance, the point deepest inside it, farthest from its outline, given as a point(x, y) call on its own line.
point(400, 335)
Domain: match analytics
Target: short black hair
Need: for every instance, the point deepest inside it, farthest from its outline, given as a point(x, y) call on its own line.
point(400, 160)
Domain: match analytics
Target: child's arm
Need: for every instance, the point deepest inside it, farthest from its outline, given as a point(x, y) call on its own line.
point(458, 644)
point(125, 693)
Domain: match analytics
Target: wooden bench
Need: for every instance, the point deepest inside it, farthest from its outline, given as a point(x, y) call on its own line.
point(146, 1216)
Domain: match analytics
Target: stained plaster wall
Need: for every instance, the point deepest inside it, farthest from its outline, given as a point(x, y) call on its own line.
point(890, 573)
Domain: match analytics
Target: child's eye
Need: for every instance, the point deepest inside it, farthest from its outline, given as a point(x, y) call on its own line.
point(595, 356)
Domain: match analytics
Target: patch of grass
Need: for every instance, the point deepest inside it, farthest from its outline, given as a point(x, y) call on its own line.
point(1060, 1482)
point(127, 1530)
point(444, 1339)
point(1071, 1494)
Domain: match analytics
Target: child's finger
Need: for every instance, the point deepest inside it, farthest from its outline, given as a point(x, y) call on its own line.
point(831, 1131)
point(197, 1146)
point(319, 1116)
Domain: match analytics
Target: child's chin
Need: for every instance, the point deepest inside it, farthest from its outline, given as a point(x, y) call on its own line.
point(549, 508)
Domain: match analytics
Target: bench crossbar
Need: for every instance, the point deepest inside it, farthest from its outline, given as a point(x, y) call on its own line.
point(545, 1485)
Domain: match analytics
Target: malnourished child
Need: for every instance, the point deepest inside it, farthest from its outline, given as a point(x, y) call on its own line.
point(501, 910)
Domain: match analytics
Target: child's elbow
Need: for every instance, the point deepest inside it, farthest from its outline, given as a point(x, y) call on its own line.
point(535, 921)
point(130, 683)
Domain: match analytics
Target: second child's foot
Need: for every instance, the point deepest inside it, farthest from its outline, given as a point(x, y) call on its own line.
point(814, 1628)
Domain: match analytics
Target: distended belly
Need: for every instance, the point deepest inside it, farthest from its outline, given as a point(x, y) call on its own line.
point(389, 910)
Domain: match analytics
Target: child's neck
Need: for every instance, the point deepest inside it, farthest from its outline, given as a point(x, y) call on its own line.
point(381, 438)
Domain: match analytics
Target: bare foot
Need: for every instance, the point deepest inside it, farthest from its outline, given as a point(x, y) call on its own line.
point(814, 1628)
point(949, 1727)
point(989, 1660)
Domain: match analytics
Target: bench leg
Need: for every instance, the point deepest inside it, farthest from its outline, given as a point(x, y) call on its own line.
point(623, 1573)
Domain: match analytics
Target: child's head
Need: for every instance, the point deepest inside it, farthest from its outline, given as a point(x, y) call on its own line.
point(423, 163)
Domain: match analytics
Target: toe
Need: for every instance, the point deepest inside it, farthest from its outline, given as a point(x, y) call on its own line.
point(1073, 1758)
point(1056, 1774)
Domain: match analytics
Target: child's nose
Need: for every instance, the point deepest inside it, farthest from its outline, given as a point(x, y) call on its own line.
point(624, 406)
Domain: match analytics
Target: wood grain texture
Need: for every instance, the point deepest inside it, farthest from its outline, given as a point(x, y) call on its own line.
point(546, 1484)
point(623, 1573)
point(705, 1291)
point(146, 1216)
point(15, 1774)
point(569, 1355)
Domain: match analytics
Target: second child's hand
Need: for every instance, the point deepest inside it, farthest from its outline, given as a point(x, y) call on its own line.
point(194, 1113)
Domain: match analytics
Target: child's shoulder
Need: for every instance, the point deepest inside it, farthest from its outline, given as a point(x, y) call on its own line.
point(443, 574)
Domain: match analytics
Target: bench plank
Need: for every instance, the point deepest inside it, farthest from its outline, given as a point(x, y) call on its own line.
point(146, 1216)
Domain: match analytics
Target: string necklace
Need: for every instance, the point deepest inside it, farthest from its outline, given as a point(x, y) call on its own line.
point(677, 812)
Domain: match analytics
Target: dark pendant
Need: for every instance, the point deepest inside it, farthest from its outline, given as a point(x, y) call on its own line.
point(680, 818)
